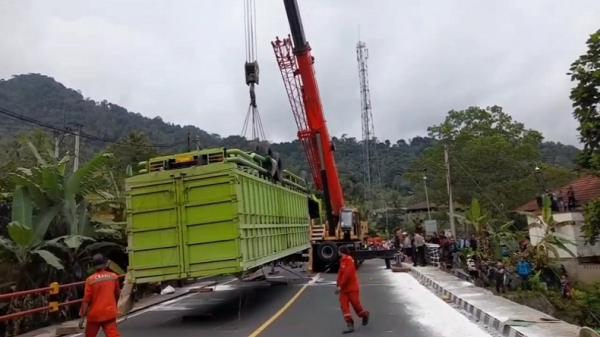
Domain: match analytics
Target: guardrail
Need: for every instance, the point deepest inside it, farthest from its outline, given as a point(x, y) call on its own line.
point(53, 306)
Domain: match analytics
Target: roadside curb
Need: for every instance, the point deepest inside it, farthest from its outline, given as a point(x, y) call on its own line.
point(499, 324)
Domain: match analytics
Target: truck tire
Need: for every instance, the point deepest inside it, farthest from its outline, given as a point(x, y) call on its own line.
point(327, 252)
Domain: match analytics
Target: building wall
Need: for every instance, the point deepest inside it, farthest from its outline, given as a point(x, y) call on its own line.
point(582, 272)
point(569, 229)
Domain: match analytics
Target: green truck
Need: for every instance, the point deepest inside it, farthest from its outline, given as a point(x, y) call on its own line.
point(213, 212)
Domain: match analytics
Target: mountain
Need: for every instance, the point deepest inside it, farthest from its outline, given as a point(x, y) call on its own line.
point(559, 154)
point(44, 99)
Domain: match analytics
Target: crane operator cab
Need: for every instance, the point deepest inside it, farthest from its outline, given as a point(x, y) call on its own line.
point(349, 225)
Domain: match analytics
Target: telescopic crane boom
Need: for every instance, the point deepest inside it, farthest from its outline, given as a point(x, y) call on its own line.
point(297, 69)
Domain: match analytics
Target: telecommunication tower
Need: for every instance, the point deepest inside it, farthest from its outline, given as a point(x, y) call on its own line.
point(368, 128)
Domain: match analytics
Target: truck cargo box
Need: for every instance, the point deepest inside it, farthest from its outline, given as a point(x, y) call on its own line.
point(221, 215)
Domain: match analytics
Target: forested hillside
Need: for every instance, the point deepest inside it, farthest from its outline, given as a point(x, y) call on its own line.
point(102, 123)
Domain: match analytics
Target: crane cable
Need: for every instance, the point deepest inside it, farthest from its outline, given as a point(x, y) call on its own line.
point(251, 70)
point(250, 30)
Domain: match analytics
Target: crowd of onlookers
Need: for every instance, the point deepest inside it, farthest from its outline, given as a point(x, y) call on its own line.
point(413, 246)
point(413, 249)
point(561, 201)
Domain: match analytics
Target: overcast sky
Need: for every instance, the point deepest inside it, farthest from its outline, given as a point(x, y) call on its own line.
point(183, 60)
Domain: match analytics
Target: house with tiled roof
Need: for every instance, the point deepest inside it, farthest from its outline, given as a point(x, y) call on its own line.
point(585, 189)
point(568, 204)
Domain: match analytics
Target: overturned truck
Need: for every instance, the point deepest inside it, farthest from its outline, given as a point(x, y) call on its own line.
point(213, 212)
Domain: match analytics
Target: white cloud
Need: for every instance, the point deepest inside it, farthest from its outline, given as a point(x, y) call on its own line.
point(184, 60)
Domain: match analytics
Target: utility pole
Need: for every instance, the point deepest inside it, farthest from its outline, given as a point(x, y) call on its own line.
point(387, 223)
point(56, 144)
point(189, 142)
point(76, 158)
point(426, 196)
point(448, 184)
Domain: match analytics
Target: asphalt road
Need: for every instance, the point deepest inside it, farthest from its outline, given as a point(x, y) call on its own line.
point(399, 306)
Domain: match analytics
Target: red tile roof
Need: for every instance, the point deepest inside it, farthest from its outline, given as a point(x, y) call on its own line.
point(586, 189)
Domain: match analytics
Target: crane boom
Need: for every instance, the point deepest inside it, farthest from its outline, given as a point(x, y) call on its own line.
point(297, 69)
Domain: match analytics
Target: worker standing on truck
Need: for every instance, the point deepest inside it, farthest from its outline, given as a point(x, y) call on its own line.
point(100, 301)
point(348, 289)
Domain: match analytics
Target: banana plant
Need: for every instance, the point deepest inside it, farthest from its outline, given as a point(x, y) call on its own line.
point(478, 220)
point(58, 196)
point(113, 198)
point(77, 251)
point(50, 185)
point(549, 247)
point(505, 235)
point(25, 243)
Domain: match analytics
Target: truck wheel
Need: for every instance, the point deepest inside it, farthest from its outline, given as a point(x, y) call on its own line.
point(327, 252)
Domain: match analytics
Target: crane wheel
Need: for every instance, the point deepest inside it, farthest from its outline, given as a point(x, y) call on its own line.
point(327, 252)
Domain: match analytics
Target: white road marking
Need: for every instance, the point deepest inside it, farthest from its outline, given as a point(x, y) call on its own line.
point(429, 310)
point(283, 309)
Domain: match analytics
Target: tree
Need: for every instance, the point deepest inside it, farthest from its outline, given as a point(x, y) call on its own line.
point(492, 158)
point(16, 152)
point(591, 228)
point(585, 72)
point(128, 152)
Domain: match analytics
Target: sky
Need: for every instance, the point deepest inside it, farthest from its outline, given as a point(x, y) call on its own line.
point(183, 60)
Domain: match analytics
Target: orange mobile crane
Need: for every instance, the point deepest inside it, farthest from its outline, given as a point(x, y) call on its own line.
point(343, 225)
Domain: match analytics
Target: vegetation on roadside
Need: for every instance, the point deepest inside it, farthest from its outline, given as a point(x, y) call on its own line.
point(51, 235)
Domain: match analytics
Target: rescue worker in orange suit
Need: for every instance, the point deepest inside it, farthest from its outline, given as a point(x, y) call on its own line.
point(100, 301)
point(348, 289)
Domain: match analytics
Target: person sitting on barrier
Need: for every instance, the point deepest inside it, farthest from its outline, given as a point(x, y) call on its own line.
point(348, 288)
point(100, 299)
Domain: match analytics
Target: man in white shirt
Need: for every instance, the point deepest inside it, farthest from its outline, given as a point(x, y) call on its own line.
point(420, 249)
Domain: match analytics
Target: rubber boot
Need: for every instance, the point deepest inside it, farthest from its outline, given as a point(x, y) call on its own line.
point(349, 328)
point(365, 319)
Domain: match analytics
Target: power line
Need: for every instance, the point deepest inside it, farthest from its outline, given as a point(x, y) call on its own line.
point(481, 189)
point(82, 134)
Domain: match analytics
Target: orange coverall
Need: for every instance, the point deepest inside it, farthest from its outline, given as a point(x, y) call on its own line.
point(347, 281)
point(101, 295)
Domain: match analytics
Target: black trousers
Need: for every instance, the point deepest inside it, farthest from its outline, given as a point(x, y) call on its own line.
point(419, 257)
